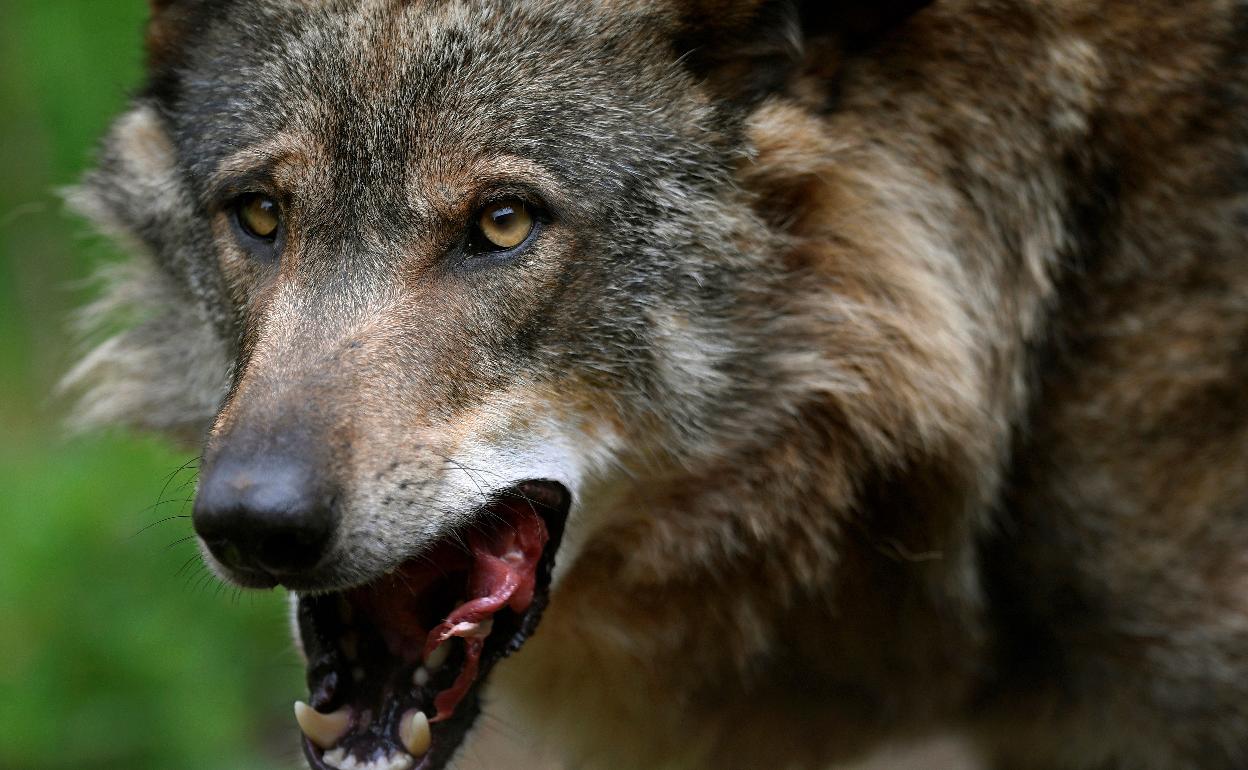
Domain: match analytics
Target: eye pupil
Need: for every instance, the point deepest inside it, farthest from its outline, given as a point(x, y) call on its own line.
point(505, 225)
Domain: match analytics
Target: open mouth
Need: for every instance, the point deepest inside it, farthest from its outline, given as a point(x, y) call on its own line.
point(394, 667)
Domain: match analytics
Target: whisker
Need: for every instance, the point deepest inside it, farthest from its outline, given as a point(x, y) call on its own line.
point(158, 521)
point(186, 564)
point(180, 540)
point(169, 479)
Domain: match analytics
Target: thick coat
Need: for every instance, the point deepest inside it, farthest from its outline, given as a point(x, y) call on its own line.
point(893, 354)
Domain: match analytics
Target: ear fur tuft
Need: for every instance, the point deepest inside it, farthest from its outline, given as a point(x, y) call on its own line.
point(747, 49)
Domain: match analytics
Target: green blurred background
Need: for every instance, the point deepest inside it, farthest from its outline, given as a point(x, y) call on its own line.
point(117, 650)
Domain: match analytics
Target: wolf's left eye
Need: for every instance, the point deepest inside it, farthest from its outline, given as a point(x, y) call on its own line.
point(502, 226)
point(259, 216)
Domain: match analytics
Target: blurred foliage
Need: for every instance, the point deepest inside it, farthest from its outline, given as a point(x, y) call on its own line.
point(117, 649)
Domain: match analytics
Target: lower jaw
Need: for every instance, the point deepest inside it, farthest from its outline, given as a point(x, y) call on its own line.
point(385, 738)
point(380, 704)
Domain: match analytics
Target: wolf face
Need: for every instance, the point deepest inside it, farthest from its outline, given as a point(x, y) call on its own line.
point(736, 342)
point(332, 184)
point(414, 364)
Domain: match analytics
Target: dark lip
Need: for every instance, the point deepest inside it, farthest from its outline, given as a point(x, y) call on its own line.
point(252, 579)
point(554, 501)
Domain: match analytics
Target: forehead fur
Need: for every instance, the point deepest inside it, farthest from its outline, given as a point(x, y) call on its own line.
point(387, 85)
point(381, 99)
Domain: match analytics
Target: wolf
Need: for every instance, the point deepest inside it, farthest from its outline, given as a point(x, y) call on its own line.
point(707, 383)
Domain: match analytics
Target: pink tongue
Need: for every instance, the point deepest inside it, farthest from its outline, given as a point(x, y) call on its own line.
point(504, 574)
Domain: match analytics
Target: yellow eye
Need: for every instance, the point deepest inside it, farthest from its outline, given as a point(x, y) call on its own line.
point(259, 216)
point(505, 225)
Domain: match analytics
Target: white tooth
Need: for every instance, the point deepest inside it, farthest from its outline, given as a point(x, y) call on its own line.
point(414, 732)
point(438, 656)
point(398, 761)
point(420, 677)
point(325, 730)
point(335, 758)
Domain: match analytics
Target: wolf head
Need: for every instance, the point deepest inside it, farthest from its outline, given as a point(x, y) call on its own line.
point(375, 344)
point(377, 340)
point(415, 265)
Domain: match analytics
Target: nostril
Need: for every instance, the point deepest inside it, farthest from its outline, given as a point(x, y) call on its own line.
point(267, 514)
point(225, 552)
point(291, 549)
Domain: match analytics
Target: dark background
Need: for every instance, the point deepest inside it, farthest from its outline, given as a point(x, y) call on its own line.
point(117, 649)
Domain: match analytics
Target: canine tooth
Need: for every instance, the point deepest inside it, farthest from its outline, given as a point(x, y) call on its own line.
point(324, 730)
point(357, 674)
point(438, 656)
point(414, 732)
point(420, 677)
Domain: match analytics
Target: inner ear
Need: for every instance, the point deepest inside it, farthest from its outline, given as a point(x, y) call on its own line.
point(748, 49)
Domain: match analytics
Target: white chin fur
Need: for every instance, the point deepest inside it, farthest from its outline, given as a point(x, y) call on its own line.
point(545, 450)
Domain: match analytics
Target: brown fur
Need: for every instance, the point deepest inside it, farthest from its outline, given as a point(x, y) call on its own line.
point(989, 476)
point(1142, 380)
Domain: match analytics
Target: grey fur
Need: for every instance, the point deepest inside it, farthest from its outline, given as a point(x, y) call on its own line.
point(157, 361)
point(898, 374)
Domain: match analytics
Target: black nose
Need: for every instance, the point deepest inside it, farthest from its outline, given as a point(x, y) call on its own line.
point(268, 514)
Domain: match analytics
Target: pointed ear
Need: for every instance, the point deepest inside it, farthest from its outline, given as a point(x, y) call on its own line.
point(750, 48)
point(167, 28)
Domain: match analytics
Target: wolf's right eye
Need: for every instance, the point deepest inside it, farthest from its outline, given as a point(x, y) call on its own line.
point(501, 226)
point(258, 216)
